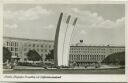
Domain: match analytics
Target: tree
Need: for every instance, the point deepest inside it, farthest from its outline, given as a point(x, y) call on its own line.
point(50, 55)
point(115, 58)
point(32, 55)
point(6, 54)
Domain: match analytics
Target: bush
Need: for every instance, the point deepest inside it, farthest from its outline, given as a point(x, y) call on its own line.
point(31, 64)
point(115, 58)
point(6, 55)
point(24, 64)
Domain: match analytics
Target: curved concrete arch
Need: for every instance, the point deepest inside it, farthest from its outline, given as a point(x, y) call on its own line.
point(62, 42)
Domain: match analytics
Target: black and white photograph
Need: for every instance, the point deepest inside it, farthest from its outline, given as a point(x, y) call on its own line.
point(64, 39)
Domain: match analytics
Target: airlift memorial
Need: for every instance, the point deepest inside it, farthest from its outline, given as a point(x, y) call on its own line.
point(62, 41)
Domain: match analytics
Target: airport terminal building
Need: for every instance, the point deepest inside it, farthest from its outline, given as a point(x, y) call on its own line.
point(19, 47)
point(80, 53)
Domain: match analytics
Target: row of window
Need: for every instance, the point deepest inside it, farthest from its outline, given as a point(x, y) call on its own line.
point(14, 54)
point(42, 50)
point(12, 43)
point(87, 57)
point(86, 48)
point(86, 51)
point(116, 49)
point(37, 45)
point(95, 49)
point(12, 48)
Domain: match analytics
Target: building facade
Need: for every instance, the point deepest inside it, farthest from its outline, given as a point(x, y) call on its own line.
point(83, 55)
point(79, 53)
point(19, 47)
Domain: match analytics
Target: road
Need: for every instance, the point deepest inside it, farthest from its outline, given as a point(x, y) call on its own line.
point(64, 71)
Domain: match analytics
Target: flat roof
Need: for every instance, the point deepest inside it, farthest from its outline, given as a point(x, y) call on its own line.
point(101, 46)
point(27, 39)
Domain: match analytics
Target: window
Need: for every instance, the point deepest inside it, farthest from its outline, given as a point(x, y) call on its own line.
point(29, 45)
point(33, 45)
point(12, 49)
point(16, 49)
point(37, 45)
point(41, 50)
point(41, 45)
point(25, 49)
point(16, 54)
point(45, 50)
point(45, 46)
point(15, 43)
point(11, 43)
point(7, 43)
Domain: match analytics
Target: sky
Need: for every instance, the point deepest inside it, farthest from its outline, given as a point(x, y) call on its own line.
point(97, 24)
